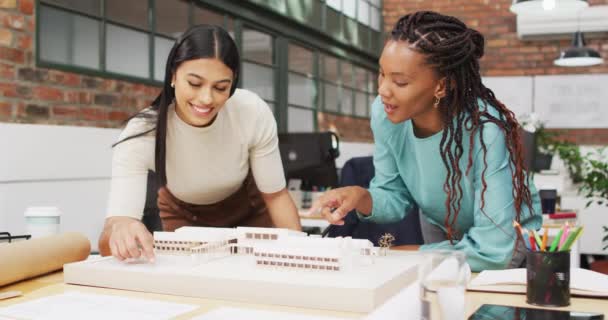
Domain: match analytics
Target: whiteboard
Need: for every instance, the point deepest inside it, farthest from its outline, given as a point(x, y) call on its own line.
point(515, 92)
point(572, 101)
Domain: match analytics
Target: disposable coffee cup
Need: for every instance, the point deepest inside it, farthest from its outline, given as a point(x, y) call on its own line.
point(42, 221)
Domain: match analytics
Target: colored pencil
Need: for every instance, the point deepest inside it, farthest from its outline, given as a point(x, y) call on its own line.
point(545, 237)
point(556, 240)
point(532, 241)
point(566, 229)
point(574, 235)
point(538, 242)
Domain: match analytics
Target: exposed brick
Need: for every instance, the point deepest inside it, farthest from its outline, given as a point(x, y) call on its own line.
point(33, 75)
point(65, 78)
point(8, 4)
point(48, 94)
point(92, 83)
point(108, 85)
point(14, 21)
point(348, 129)
point(7, 71)
point(105, 99)
point(8, 90)
point(65, 111)
point(6, 37)
point(23, 91)
point(36, 111)
point(93, 114)
point(26, 6)
point(498, 25)
point(24, 42)
point(6, 110)
point(118, 115)
point(11, 54)
point(86, 98)
point(71, 96)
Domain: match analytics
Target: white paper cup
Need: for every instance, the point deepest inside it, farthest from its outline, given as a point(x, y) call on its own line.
point(42, 221)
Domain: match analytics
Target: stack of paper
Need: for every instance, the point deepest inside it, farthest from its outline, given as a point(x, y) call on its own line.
point(582, 282)
point(78, 305)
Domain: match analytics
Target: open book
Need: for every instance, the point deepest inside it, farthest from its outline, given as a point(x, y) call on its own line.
point(582, 282)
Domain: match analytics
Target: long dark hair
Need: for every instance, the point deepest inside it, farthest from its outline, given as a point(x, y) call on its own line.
point(201, 41)
point(454, 50)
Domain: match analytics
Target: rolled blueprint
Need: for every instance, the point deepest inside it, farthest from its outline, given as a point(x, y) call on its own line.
point(29, 258)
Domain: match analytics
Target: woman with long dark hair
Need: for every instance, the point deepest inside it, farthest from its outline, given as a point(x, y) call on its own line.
point(213, 147)
point(444, 142)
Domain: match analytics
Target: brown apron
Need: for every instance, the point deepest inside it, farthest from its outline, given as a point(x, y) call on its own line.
point(245, 207)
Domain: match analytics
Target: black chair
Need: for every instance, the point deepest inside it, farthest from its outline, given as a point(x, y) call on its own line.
point(151, 217)
point(360, 171)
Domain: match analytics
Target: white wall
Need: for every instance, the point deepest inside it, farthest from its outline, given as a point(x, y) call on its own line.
point(62, 166)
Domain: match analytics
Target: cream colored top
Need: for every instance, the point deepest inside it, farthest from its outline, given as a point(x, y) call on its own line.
point(203, 165)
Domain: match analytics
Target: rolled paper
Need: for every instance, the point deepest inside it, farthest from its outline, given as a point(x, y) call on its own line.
point(29, 258)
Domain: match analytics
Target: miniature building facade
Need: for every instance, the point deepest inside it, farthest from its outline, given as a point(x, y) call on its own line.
point(269, 247)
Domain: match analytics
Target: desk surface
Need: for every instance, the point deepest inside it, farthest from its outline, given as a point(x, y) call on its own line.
point(53, 284)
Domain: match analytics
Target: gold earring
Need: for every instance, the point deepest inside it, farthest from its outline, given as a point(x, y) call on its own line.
point(436, 104)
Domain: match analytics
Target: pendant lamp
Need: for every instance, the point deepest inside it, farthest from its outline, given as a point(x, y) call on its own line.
point(578, 55)
point(539, 6)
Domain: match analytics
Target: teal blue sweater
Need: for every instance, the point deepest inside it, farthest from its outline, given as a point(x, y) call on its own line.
point(409, 170)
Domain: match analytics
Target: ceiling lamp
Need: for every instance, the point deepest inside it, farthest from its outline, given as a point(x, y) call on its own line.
point(540, 6)
point(578, 55)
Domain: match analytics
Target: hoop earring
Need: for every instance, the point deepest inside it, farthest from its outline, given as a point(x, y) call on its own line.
point(172, 85)
point(437, 100)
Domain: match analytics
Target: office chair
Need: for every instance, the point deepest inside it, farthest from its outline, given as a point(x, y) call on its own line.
point(360, 171)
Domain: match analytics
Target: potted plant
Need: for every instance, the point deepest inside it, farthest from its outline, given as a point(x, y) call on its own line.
point(594, 187)
point(594, 184)
point(548, 143)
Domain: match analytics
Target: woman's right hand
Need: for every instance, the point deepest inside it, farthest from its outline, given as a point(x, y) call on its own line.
point(129, 238)
point(335, 204)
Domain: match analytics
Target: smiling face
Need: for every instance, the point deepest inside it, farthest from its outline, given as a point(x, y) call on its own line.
point(202, 87)
point(408, 85)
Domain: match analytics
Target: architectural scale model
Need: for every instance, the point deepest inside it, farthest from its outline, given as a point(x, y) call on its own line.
point(280, 248)
point(258, 265)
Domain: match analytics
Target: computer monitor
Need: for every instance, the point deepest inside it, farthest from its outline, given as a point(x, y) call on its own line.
point(310, 156)
point(528, 142)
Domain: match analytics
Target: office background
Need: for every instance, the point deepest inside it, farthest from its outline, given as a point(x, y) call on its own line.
point(71, 72)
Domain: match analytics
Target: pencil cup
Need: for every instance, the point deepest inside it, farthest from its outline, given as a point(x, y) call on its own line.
point(548, 278)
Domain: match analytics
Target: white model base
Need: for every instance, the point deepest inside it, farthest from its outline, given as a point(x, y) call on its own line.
point(358, 289)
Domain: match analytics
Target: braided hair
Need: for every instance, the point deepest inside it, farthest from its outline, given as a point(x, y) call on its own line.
point(453, 50)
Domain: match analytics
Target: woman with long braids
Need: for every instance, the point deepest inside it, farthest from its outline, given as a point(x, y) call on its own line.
point(444, 142)
point(213, 147)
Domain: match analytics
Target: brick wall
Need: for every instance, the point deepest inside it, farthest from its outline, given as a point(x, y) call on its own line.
point(348, 129)
point(37, 95)
point(505, 54)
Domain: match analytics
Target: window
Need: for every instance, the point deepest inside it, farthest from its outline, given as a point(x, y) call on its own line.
point(127, 51)
point(69, 39)
point(90, 7)
point(330, 84)
point(171, 17)
point(258, 64)
point(302, 89)
point(125, 38)
point(357, 22)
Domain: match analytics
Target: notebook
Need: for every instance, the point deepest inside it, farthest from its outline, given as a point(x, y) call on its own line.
point(583, 282)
